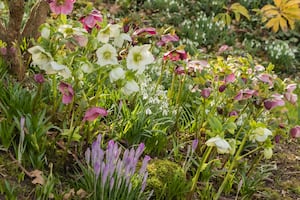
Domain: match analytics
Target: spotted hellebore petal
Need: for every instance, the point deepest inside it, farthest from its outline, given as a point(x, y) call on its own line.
point(67, 91)
point(221, 144)
point(62, 6)
point(92, 113)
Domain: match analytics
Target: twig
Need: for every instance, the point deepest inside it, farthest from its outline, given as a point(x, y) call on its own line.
point(19, 165)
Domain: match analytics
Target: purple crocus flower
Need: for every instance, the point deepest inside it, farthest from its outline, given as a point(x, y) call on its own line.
point(194, 145)
point(67, 91)
point(144, 165)
point(92, 113)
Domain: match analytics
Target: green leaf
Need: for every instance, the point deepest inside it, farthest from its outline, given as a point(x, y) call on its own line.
point(215, 124)
point(230, 127)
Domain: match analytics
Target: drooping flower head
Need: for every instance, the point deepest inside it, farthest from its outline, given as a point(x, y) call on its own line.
point(167, 38)
point(92, 113)
point(39, 78)
point(175, 55)
point(110, 31)
point(274, 101)
point(138, 57)
point(67, 91)
point(142, 31)
point(91, 21)
point(221, 144)
point(61, 6)
point(295, 132)
point(260, 134)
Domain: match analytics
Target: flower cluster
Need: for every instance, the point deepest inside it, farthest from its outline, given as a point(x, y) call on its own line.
point(117, 176)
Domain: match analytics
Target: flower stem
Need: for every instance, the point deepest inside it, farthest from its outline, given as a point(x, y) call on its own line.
point(233, 163)
point(201, 167)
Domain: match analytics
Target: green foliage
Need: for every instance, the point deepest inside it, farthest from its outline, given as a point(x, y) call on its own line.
point(167, 179)
point(8, 190)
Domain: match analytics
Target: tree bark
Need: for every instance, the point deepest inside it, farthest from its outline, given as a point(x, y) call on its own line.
point(12, 35)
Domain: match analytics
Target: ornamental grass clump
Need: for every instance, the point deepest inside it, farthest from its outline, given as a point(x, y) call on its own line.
point(108, 175)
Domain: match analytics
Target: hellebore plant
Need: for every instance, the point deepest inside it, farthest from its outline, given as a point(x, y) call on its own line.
point(110, 175)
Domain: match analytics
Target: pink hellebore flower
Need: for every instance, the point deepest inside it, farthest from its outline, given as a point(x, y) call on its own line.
point(289, 95)
point(61, 6)
point(295, 132)
point(266, 78)
point(245, 94)
point(149, 30)
point(39, 78)
point(223, 48)
point(205, 93)
point(179, 70)
point(276, 100)
point(90, 21)
point(167, 38)
point(67, 92)
point(92, 113)
point(175, 55)
point(230, 78)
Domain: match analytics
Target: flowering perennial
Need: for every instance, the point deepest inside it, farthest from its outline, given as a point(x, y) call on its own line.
point(117, 176)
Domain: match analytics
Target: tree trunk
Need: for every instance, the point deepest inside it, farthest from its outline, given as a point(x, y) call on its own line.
point(12, 35)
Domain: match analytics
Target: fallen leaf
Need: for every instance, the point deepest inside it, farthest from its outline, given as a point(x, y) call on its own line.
point(38, 177)
point(81, 193)
point(69, 194)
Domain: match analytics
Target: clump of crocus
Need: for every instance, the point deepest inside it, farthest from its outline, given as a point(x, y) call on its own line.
point(61, 6)
point(110, 175)
point(67, 91)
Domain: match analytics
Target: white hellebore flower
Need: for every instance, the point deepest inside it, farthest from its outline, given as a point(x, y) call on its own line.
point(268, 152)
point(54, 67)
point(260, 134)
point(130, 87)
point(111, 30)
point(107, 55)
point(86, 67)
point(119, 40)
point(45, 32)
point(138, 57)
point(116, 74)
point(68, 30)
point(221, 144)
point(39, 56)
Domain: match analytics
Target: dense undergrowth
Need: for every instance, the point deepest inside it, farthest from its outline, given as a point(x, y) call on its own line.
point(160, 100)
